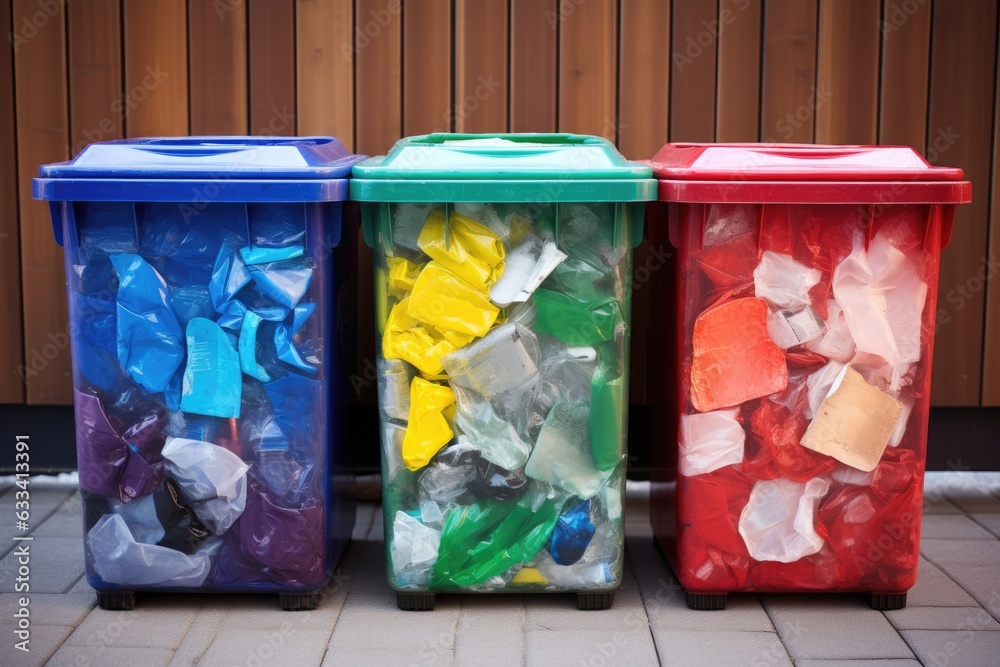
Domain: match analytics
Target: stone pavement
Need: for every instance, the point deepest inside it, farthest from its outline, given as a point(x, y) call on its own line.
point(952, 617)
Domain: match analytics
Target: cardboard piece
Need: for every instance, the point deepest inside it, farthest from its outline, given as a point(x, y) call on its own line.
point(854, 423)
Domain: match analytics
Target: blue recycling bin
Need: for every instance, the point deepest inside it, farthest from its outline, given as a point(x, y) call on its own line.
point(203, 278)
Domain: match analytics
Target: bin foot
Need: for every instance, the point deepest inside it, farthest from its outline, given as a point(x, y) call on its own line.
point(706, 601)
point(886, 601)
point(298, 601)
point(415, 602)
point(116, 600)
point(595, 601)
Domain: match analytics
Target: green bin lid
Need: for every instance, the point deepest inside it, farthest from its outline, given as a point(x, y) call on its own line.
point(446, 167)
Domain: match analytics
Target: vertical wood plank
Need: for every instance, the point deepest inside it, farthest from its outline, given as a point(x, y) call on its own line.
point(737, 107)
point(481, 65)
point(906, 43)
point(848, 66)
point(644, 77)
point(427, 67)
point(587, 68)
point(378, 105)
point(991, 349)
point(788, 91)
point(692, 79)
point(325, 65)
point(272, 64)
point(95, 72)
point(12, 333)
point(643, 107)
point(217, 46)
point(961, 118)
point(156, 68)
point(534, 31)
point(42, 136)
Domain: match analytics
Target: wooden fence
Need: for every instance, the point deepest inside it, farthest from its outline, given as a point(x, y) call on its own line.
point(917, 72)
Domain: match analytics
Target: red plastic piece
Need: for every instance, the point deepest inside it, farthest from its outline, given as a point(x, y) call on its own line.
point(735, 359)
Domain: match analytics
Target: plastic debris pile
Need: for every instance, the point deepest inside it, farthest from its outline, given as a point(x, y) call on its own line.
point(807, 343)
point(502, 369)
point(200, 399)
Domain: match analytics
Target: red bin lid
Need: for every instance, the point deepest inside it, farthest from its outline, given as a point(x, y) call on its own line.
point(804, 174)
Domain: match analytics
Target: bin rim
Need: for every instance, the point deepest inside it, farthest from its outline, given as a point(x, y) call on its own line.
point(804, 174)
point(502, 167)
point(253, 169)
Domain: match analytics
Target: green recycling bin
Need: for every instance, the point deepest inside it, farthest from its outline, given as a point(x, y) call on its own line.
point(503, 281)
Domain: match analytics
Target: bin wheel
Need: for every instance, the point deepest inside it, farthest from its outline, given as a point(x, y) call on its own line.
point(595, 601)
point(886, 601)
point(706, 601)
point(298, 601)
point(116, 601)
point(415, 602)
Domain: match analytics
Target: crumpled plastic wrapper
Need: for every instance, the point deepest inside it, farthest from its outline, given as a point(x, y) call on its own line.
point(414, 550)
point(783, 282)
point(709, 441)
point(882, 297)
point(119, 559)
point(471, 250)
point(778, 523)
point(212, 480)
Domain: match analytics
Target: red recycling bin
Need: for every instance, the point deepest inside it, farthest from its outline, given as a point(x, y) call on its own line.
point(799, 310)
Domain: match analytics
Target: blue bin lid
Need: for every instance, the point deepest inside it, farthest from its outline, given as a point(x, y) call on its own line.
point(209, 169)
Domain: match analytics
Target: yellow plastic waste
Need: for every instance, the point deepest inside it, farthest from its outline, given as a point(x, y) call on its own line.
point(421, 345)
point(444, 300)
point(471, 250)
point(427, 430)
point(529, 575)
point(402, 275)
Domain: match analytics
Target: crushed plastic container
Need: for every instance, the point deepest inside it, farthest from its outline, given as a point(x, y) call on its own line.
point(503, 281)
point(793, 390)
point(202, 283)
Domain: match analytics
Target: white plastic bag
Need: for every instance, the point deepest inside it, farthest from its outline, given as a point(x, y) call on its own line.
point(783, 282)
point(883, 300)
point(710, 440)
point(836, 342)
point(525, 268)
point(212, 480)
point(119, 559)
point(414, 550)
point(778, 522)
point(562, 455)
point(820, 384)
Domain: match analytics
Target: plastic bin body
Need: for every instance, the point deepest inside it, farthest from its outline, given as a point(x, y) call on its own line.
point(865, 227)
point(202, 280)
point(492, 481)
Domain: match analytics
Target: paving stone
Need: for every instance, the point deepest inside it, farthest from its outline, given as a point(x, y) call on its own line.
point(490, 630)
point(45, 640)
point(559, 612)
point(610, 646)
point(719, 647)
point(158, 621)
point(858, 663)
point(990, 522)
point(940, 505)
point(56, 563)
point(374, 620)
point(942, 618)
point(970, 552)
point(82, 586)
point(833, 626)
point(975, 499)
point(199, 637)
point(934, 588)
point(666, 606)
point(65, 521)
point(243, 643)
point(74, 655)
point(363, 522)
point(965, 648)
point(982, 582)
point(47, 608)
point(944, 527)
point(378, 657)
point(45, 496)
